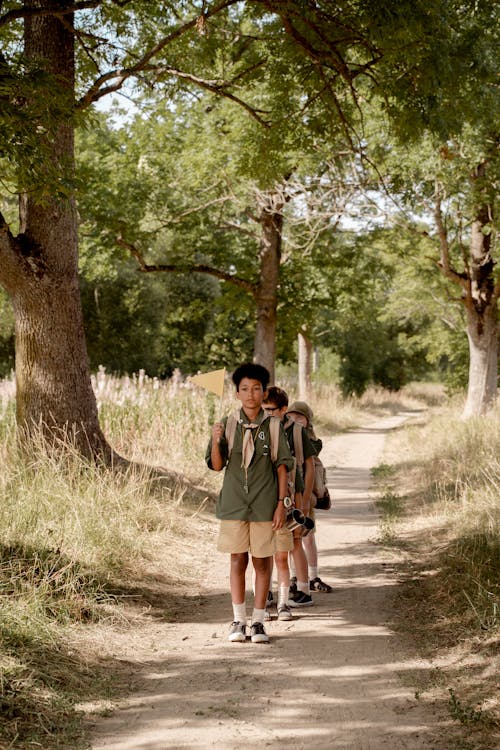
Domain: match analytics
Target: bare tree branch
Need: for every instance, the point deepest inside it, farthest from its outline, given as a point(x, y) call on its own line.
point(217, 88)
point(98, 90)
point(144, 267)
point(230, 225)
point(462, 279)
point(179, 217)
point(15, 14)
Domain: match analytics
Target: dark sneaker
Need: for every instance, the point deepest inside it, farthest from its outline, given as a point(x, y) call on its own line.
point(258, 633)
point(284, 612)
point(300, 600)
point(237, 632)
point(318, 585)
point(293, 587)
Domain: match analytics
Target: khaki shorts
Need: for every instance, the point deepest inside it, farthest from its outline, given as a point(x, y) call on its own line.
point(256, 537)
point(284, 540)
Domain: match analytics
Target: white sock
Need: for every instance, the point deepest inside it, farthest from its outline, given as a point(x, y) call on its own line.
point(240, 612)
point(282, 595)
point(291, 565)
point(313, 572)
point(303, 586)
point(258, 615)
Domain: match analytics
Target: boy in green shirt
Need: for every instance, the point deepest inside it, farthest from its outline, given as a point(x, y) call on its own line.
point(250, 505)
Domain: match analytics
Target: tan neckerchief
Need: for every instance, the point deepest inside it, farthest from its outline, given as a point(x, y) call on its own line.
point(248, 446)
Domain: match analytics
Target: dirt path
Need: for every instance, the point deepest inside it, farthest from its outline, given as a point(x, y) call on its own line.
point(329, 679)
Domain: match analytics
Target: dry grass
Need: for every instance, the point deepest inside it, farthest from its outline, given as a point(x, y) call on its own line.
point(447, 472)
point(334, 413)
point(76, 543)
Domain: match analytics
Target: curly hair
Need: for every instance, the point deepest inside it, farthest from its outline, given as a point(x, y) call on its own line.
point(252, 371)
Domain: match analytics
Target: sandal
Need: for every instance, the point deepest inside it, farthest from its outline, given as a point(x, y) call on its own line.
point(318, 585)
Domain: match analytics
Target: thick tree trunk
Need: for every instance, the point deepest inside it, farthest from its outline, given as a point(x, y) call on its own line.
point(481, 309)
point(40, 273)
point(53, 387)
point(305, 350)
point(479, 294)
point(482, 332)
point(266, 296)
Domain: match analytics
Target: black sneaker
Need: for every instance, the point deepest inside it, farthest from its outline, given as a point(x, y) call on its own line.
point(258, 633)
point(300, 600)
point(318, 585)
point(237, 632)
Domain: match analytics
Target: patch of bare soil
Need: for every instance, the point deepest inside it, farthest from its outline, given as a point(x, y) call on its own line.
point(336, 677)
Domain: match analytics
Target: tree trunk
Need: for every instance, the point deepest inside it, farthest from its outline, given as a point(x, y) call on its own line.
point(482, 332)
point(266, 297)
point(305, 349)
point(481, 309)
point(40, 273)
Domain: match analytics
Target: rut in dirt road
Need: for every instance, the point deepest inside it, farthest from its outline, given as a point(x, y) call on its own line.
point(330, 679)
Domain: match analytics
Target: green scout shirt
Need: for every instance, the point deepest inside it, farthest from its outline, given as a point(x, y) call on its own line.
point(259, 502)
point(308, 449)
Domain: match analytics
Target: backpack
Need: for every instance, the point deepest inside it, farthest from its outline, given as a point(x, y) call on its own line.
point(320, 494)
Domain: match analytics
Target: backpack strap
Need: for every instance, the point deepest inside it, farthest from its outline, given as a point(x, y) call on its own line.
point(298, 445)
point(231, 425)
point(274, 433)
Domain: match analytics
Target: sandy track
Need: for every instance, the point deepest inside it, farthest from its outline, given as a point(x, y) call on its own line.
point(329, 679)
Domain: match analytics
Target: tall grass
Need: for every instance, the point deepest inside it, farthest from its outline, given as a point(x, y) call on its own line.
point(447, 474)
point(75, 539)
point(455, 477)
point(459, 483)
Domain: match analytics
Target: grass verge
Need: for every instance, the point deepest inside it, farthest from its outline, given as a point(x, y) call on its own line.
point(440, 505)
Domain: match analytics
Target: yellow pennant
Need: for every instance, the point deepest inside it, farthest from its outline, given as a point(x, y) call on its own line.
point(211, 381)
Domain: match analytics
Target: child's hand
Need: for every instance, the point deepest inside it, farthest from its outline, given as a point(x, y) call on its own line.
point(279, 517)
point(217, 432)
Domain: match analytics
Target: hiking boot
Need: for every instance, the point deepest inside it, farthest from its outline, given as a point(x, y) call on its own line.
point(258, 633)
point(300, 600)
point(237, 632)
point(318, 585)
point(270, 598)
point(284, 612)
